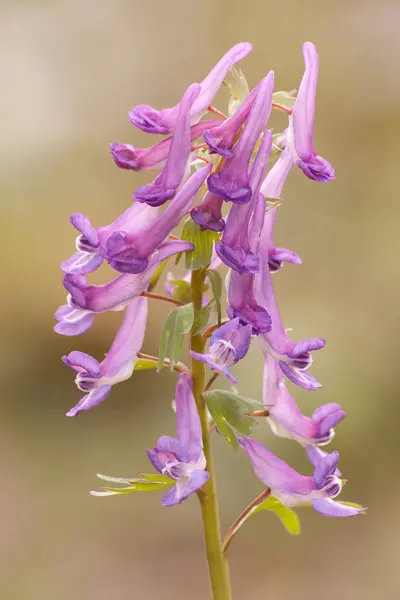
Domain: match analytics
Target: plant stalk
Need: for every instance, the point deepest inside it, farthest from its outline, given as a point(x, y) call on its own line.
point(217, 561)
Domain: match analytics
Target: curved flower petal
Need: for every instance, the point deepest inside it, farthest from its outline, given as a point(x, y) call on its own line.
point(330, 508)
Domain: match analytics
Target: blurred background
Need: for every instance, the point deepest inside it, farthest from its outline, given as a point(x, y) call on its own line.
point(69, 71)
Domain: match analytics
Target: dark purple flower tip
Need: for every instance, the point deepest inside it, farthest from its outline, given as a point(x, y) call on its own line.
point(317, 169)
point(125, 156)
point(207, 219)
point(299, 377)
point(229, 188)
point(216, 144)
point(81, 362)
point(74, 284)
point(135, 266)
point(238, 259)
point(256, 316)
point(82, 224)
point(326, 467)
point(153, 194)
point(147, 119)
point(328, 416)
point(123, 257)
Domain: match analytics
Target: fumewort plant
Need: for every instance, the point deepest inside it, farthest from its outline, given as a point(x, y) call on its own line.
point(220, 184)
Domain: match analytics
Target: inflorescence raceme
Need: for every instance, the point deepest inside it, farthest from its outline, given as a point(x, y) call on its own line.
point(222, 178)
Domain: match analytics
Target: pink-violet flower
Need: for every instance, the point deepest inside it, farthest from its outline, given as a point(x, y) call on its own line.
point(294, 489)
point(301, 128)
point(182, 458)
point(163, 121)
point(97, 378)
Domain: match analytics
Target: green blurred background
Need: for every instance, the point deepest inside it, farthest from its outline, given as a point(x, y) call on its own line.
point(70, 70)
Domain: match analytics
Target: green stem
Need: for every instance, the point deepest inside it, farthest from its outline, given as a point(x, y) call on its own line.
point(217, 561)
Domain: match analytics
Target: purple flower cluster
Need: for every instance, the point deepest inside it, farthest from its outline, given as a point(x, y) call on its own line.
point(234, 205)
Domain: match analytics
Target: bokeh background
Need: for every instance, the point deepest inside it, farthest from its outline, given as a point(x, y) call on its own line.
point(70, 70)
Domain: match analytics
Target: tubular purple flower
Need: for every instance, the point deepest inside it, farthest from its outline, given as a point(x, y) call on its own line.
point(89, 256)
point(285, 417)
point(182, 459)
point(165, 185)
point(272, 188)
point(232, 182)
point(301, 128)
point(208, 214)
point(163, 121)
point(139, 159)
point(98, 378)
point(234, 248)
point(130, 252)
point(220, 139)
point(293, 358)
point(294, 489)
point(228, 344)
point(84, 300)
point(242, 303)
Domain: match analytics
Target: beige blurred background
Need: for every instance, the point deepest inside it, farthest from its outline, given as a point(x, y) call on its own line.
point(69, 71)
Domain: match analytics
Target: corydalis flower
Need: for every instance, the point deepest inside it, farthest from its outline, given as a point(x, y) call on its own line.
point(231, 183)
point(165, 185)
point(242, 302)
point(130, 252)
point(89, 256)
point(294, 489)
point(294, 358)
point(272, 189)
point(98, 378)
point(228, 344)
point(182, 459)
point(163, 121)
point(139, 159)
point(234, 249)
point(285, 417)
point(85, 300)
point(301, 128)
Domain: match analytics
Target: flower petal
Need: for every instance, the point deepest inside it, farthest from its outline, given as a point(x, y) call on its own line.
point(90, 400)
point(330, 508)
point(188, 424)
point(326, 466)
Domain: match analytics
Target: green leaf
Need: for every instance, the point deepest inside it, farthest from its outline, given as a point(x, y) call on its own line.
point(143, 364)
point(202, 318)
point(216, 285)
point(287, 516)
point(203, 242)
point(178, 323)
point(146, 483)
point(231, 412)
